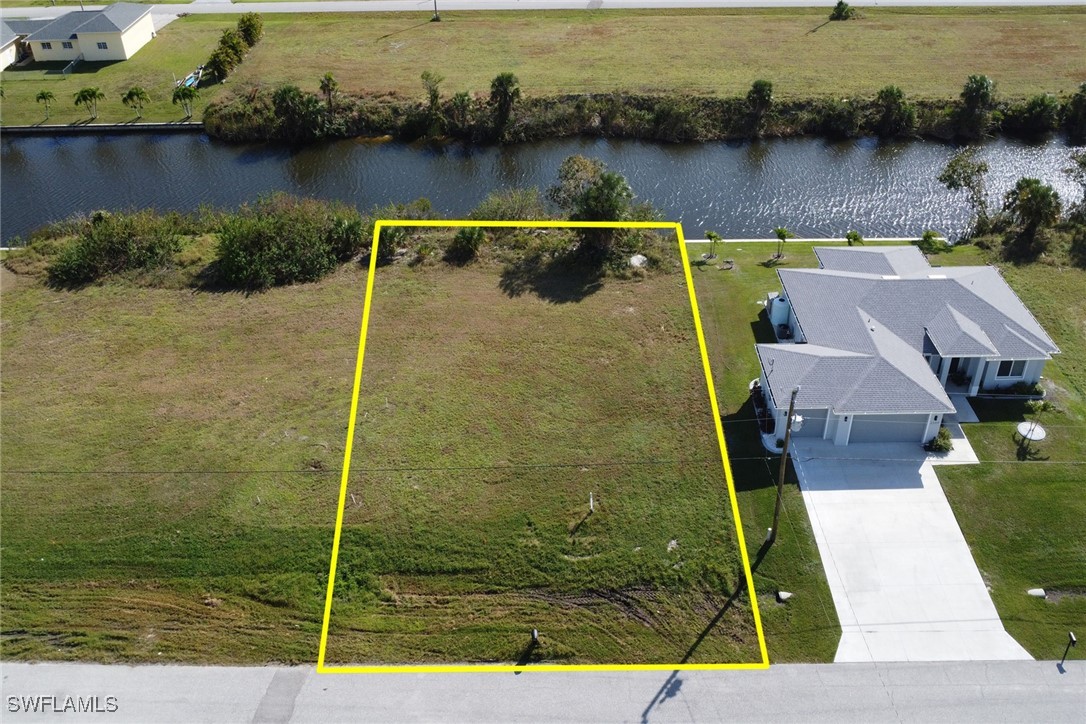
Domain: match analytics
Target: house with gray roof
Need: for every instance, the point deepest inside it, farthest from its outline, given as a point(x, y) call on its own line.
point(115, 32)
point(8, 50)
point(877, 340)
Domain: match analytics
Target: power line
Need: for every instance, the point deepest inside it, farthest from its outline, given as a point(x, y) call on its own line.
point(511, 466)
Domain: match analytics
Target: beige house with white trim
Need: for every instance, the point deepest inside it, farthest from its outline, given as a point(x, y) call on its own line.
point(113, 33)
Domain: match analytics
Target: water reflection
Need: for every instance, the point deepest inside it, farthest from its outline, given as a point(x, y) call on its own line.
point(815, 187)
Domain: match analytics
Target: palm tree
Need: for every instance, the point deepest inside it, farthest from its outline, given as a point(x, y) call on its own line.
point(783, 235)
point(185, 95)
point(47, 98)
point(504, 92)
point(1033, 205)
point(329, 86)
point(136, 98)
point(88, 98)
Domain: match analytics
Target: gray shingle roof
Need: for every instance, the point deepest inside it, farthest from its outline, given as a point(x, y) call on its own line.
point(867, 331)
point(114, 18)
point(885, 260)
point(892, 380)
point(955, 335)
point(26, 27)
point(824, 301)
point(118, 16)
point(7, 35)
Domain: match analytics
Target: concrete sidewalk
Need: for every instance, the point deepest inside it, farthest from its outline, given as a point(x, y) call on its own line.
point(902, 577)
point(973, 692)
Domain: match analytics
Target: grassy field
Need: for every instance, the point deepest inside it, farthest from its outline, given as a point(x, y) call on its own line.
point(1023, 520)
point(927, 52)
point(483, 427)
point(175, 53)
point(1023, 511)
point(183, 449)
point(170, 474)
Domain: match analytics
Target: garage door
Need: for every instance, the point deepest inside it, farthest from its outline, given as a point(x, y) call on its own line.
point(888, 428)
point(814, 422)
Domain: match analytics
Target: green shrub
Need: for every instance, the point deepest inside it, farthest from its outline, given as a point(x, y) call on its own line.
point(299, 115)
point(896, 116)
point(941, 443)
point(1074, 116)
point(345, 234)
point(842, 11)
point(465, 245)
point(840, 119)
point(114, 244)
point(930, 243)
point(233, 43)
point(394, 237)
point(677, 120)
point(251, 28)
point(1035, 117)
point(280, 240)
point(511, 205)
point(853, 238)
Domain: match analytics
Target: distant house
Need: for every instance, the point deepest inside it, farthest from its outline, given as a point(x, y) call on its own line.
point(876, 339)
point(8, 41)
point(113, 33)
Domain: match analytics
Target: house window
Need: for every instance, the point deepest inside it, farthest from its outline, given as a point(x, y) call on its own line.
point(66, 45)
point(1009, 368)
point(46, 46)
point(103, 46)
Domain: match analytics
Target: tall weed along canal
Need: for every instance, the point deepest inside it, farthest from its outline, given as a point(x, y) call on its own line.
point(815, 187)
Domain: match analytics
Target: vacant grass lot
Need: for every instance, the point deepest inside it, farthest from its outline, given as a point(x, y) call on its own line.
point(484, 424)
point(1023, 520)
point(171, 472)
point(928, 52)
point(178, 49)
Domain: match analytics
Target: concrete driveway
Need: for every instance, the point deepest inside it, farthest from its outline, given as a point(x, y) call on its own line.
point(903, 580)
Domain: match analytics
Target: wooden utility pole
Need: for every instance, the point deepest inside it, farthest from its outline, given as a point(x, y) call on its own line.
point(772, 536)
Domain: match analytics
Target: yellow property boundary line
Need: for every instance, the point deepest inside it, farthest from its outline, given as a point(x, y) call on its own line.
point(506, 668)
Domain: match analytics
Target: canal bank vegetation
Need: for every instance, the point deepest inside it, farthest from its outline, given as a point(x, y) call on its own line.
point(1032, 222)
point(509, 115)
point(283, 240)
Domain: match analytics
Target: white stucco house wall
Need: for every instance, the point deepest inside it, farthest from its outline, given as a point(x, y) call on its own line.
point(8, 38)
point(876, 340)
point(113, 33)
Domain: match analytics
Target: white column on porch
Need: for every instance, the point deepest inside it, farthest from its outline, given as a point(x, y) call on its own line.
point(978, 375)
point(944, 370)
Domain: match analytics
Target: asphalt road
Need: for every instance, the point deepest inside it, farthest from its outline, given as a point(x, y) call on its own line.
point(958, 692)
point(384, 6)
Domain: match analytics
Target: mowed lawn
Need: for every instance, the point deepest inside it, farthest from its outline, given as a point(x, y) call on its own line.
point(1024, 512)
point(486, 420)
point(171, 471)
point(927, 52)
point(173, 54)
point(1023, 520)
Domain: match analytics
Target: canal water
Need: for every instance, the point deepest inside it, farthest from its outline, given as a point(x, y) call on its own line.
point(815, 187)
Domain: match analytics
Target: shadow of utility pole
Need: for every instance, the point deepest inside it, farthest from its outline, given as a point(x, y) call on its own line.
point(670, 688)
